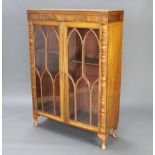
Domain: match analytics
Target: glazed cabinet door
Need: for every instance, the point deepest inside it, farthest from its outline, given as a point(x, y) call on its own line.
point(47, 57)
point(82, 50)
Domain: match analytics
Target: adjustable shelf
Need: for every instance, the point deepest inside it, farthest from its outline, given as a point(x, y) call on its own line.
point(88, 61)
point(42, 51)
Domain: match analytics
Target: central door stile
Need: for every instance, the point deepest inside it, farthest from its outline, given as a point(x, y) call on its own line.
point(62, 101)
point(65, 67)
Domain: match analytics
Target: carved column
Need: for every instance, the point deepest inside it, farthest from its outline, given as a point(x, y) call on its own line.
point(32, 65)
point(103, 76)
point(102, 89)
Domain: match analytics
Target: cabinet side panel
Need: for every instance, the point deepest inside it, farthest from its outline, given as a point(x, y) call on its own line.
point(114, 74)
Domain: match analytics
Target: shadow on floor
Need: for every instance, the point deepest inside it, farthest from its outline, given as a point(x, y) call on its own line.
point(69, 131)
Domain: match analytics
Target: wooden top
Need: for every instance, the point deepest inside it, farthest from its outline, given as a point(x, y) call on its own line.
point(113, 15)
point(74, 11)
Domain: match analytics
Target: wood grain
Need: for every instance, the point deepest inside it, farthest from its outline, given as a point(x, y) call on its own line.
point(114, 74)
point(109, 24)
point(76, 15)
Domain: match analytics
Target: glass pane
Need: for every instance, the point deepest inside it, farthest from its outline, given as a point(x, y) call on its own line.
point(53, 65)
point(57, 94)
point(83, 102)
point(82, 31)
point(83, 69)
point(95, 104)
point(53, 51)
point(91, 70)
point(47, 89)
point(39, 105)
point(74, 68)
point(71, 100)
point(75, 55)
point(91, 48)
point(47, 68)
point(39, 45)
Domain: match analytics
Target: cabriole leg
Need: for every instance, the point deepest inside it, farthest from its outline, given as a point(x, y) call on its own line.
point(103, 138)
point(114, 132)
point(35, 122)
point(35, 116)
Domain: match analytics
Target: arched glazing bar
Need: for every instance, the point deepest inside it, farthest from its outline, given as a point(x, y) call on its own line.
point(43, 70)
point(83, 76)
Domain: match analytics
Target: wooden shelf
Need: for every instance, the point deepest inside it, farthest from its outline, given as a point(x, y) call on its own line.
point(88, 61)
point(49, 52)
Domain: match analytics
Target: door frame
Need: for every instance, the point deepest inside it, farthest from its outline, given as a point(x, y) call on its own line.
point(33, 76)
point(66, 94)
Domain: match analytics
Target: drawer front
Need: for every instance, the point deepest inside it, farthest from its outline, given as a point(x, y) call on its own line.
point(82, 48)
point(47, 58)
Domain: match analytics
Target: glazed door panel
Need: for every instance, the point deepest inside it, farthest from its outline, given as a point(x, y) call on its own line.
point(82, 73)
point(47, 45)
